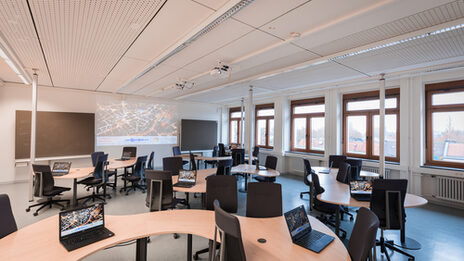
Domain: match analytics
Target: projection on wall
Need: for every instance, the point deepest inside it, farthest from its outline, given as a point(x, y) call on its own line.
point(135, 123)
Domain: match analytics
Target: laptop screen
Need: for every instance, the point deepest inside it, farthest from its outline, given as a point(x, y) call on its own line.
point(81, 219)
point(186, 176)
point(361, 187)
point(61, 167)
point(297, 221)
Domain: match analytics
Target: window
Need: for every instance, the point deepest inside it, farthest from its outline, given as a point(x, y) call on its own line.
point(308, 125)
point(445, 124)
point(362, 125)
point(264, 135)
point(235, 125)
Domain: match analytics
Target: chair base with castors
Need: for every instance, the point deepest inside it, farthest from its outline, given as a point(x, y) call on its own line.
point(384, 244)
point(134, 180)
point(49, 203)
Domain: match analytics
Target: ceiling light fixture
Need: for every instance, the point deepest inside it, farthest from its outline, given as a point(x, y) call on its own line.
point(206, 29)
point(7, 54)
point(219, 69)
point(183, 84)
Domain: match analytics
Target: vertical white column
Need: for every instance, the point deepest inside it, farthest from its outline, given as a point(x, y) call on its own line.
point(382, 126)
point(250, 122)
point(242, 123)
point(33, 132)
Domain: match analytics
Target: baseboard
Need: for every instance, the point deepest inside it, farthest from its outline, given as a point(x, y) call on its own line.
point(445, 203)
point(14, 181)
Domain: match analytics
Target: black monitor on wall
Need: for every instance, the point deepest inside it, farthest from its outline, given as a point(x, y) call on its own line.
point(198, 135)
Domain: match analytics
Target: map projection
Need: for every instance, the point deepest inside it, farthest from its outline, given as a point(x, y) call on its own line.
point(135, 123)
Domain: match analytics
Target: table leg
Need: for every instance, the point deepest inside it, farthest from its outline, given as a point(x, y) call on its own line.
point(141, 249)
point(203, 201)
point(408, 243)
point(187, 198)
point(75, 193)
point(189, 247)
point(311, 196)
point(245, 186)
point(337, 221)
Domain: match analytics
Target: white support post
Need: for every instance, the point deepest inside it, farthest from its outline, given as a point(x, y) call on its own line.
point(242, 123)
point(382, 126)
point(33, 132)
point(250, 122)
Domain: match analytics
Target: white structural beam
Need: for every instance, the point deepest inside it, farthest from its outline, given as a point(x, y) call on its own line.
point(242, 123)
point(33, 131)
point(382, 126)
point(250, 122)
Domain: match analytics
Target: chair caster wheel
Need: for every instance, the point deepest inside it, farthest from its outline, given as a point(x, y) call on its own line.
point(195, 257)
point(28, 209)
point(301, 196)
point(351, 218)
point(35, 214)
point(176, 236)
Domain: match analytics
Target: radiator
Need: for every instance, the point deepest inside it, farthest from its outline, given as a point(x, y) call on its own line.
point(449, 189)
point(376, 170)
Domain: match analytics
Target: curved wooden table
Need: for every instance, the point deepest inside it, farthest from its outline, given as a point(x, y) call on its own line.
point(40, 241)
point(251, 170)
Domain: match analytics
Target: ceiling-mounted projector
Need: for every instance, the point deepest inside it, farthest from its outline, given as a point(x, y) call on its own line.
point(219, 69)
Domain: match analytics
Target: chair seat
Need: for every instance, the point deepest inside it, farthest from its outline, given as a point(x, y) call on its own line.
point(265, 179)
point(56, 191)
point(185, 162)
point(326, 208)
point(90, 181)
point(132, 178)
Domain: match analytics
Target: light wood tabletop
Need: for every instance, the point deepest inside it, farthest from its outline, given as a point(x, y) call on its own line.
point(200, 185)
point(119, 164)
point(363, 173)
point(77, 173)
point(251, 169)
point(40, 241)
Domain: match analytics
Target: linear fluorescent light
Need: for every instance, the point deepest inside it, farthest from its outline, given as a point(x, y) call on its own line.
point(8, 60)
point(230, 12)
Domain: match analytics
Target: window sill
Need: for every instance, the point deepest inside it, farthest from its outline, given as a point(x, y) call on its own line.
point(304, 154)
point(441, 168)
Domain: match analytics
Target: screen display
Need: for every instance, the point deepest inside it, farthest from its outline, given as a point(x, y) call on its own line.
point(61, 167)
point(82, 219)
point(198, 135)
point(361, 187)
point(135, 123)
point(186, 176)
point(297, 220)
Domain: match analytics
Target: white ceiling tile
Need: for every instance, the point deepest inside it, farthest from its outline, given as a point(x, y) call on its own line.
point(122, 72)
point(7, 74)
point(214, 4)
point(152, 76)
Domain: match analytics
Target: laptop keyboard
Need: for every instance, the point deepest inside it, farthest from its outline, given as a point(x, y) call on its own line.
point(312, 237)
point(85, 238)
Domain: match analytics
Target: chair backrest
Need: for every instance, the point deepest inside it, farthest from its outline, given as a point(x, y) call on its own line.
point(224, 167)
point(99, 169)
point(343, 174)
point(387, 202)
point(307, 171)
point(162, 193)
point(362, 238)
point(335, 160)
point(150, 162)
point(264, 200)
point(215, 151)
point(131, 150)
point(176, 151)
point(256, 151)
point(222, 150)
point(173, 164)
point(95, 156)
point(232, 235)
point(356, 165)
point(193, 163)
point(7, 220)
point(224, 189)
point(238, 157)
point(271, 162)
point(43, 179)
point(317, 185)
point(139, 169)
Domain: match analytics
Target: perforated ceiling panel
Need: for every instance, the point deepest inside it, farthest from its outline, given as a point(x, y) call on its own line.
point(18, 29)
point(431, 17)
point(428, 49)
point(83, 40)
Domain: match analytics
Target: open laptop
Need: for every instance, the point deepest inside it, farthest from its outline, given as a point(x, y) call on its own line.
point(126, 155)
point(361, 190)
point(83, 226)
point(61, 168)
point(301, 232)
point(187, 179)
point(326, 170)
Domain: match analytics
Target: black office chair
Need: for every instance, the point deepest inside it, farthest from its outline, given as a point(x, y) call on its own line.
point(193, 164)
point(95, 156)
point(224, 189)
point(323, 207)
point(362, 239)
point(109, 173)
point(222, 150)
point(264, 200)
point(231, 236)
point(307, 171)
point(255, 154)
point(150, 162)
point(7, 220)
point(271, 163)
point(44, 187)
point(224, 167)
point(343, 176)
point(387, 202)
point(356, 166)
point(97, 181)
point(176, 152)
point(173, 164)
point(136, 177)
point(238, 157)
point(335, 160)
point(214, 154)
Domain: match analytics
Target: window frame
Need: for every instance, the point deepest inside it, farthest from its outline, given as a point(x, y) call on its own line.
point(267, 118)
point(239, 120)
point(430, 90)
point(307, 116)
point(365, 96)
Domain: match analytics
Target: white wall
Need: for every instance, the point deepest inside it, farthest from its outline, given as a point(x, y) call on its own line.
point(18, 97)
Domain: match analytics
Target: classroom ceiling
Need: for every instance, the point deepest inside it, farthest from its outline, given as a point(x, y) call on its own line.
point(145, 47)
